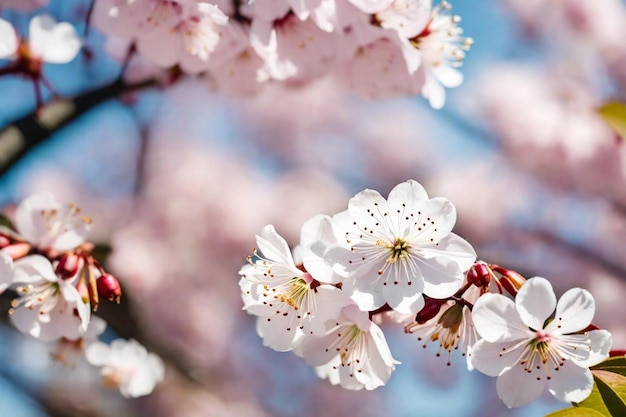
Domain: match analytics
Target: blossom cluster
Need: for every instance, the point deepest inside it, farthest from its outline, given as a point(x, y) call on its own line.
point(47, 263)
point(398, 257)
point(376, 48)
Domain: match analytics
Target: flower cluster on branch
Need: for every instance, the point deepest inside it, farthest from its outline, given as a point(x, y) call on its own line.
point(399, 257)
point(48, 263)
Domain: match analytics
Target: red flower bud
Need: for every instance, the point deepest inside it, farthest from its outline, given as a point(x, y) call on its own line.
point(69, 265)
point(109, 288)
point(431, 309)
point(511, 281)
point(479, 275)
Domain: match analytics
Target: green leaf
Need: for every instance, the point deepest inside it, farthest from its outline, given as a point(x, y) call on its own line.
point(595, 402)
point(617, 365)
point(577, 412)
point(612, 388)
point(614, 114)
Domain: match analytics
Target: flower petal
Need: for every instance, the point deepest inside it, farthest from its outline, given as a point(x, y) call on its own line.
point(52, 42)
point(404, 296)
point(535, 302)
point(489, 359)
point(273, 246)
point(34, 268)
point(497, 320)
point(8, 40)
point(28, 217)
point(516, 387)
point(98, 354)
point(600, 342)
point(444, 268)
point(6, 271)
point(571, 383)
point(574, 311)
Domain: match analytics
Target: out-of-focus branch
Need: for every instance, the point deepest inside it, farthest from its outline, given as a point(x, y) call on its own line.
point(19, 137)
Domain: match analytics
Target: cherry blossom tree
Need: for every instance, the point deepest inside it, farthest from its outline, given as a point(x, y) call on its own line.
point(287, 207)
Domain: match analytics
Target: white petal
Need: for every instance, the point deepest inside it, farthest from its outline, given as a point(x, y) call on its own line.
point(434, 92)
point(329, 302)
point(365, 292)
point(535, 302)
point(444, 272)
point(52, 42)
point(273, 246)
point(28, 217)
point(8, 40)
point(404, 298)
point(516, 387)
point(448, 76)
point(316, 350)
point(497, 320)
point(409, 192)
point(280, 332)
point(26, 321)
point(73, 297)
point(574, 311)
point(144, 378)
point(316, 236)
point(34, 268)
point(600, 342)
point(6, 271)
point(489, 359)
point(571, 383)
point(98, 354)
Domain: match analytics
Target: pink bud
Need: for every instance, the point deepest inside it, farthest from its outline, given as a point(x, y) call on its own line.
point(4, 241)
point(69, 265)
point(109, 288)
point(17, 250)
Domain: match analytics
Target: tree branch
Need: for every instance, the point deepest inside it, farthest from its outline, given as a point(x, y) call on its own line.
point(21, 136)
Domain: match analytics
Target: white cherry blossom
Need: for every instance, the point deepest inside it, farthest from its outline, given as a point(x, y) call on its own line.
point(47, 306)
point(48, 41)
point(47, 224)
point(127, 365)
point(442, 48)
point(525, 347)
point(400, 248)
point(289, 301)
point(353, 352)
point(167, 33)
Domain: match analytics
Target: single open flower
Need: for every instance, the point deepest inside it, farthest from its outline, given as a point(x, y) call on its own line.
point(400, 248)
point(529, 351)
point(127, 365)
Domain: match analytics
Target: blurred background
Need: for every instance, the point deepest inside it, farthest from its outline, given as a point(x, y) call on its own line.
point(178, 180)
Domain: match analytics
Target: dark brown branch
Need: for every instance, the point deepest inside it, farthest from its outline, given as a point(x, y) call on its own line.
point(21, 136)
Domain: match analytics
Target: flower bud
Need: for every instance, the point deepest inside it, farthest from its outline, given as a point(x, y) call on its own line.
point(4, 241)
point(109, 288)
point(69, 265)
point(511, 281)
point(479, 275)
point(431, 309)
point(17, 250)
